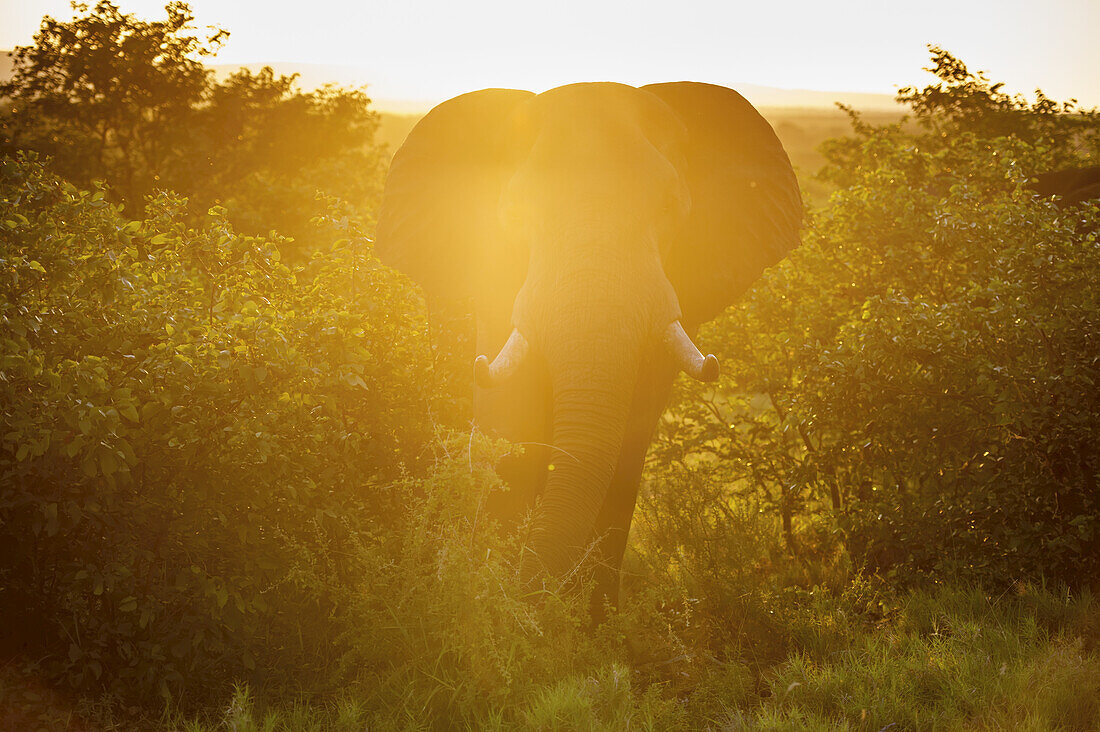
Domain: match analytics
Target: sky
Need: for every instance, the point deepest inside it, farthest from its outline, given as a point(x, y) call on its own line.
point(429, 50)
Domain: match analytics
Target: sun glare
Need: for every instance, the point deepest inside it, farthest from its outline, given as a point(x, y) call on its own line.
point(416, 50)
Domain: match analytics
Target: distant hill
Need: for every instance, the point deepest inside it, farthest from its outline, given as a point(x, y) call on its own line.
point(394, 128)
point(774, 97)
point(311, 76)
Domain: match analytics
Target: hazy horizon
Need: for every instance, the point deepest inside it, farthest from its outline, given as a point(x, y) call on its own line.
point(312, 76)
point(315, 75)
point(423, 51)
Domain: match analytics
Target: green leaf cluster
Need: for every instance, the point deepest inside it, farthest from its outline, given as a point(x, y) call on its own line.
point(110, 96)
point(185, 420)
point(916, 386)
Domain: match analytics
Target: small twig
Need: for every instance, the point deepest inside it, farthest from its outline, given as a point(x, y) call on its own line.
point(572, 457)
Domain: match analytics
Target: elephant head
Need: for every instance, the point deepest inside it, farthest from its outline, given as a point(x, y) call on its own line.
point(593, 228)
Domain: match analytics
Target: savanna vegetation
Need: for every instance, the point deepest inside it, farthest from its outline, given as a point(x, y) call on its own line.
point(240, 490)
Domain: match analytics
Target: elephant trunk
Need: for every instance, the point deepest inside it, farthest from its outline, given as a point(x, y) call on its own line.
point(590, 324)
point(591, 407)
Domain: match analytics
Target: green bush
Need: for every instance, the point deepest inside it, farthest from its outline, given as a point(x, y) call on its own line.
point(917, 382)
point(111, 96)
point(186, 424)
point(218, 469)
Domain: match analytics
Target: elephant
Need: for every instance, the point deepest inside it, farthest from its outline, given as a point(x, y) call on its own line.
point(591, 229)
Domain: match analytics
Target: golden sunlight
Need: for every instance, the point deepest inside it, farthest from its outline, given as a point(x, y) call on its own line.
point(578, 365)
point(424, 51)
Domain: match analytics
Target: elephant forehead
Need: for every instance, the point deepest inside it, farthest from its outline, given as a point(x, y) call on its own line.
point(603, 124)
point(591, 134)
point(586, 93)
point(596, 108)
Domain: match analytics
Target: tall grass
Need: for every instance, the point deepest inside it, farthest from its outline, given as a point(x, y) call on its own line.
point(948, 658)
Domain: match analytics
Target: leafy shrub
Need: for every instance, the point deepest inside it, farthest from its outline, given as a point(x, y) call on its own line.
point(218, 469)
point(918, 380)
point(110, 96)
point(186, 423)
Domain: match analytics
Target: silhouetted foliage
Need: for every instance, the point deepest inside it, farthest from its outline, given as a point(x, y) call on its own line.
point(964, 106)
point(110, 96)
point(964, 101)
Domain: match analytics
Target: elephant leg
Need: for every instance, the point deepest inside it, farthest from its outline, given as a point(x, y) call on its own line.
point(617, 512)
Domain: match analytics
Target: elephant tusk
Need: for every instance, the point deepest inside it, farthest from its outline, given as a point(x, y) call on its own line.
point(504, 365)
point(687, 355)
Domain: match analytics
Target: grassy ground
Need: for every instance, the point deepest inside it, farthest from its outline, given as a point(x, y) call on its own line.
point(945, 659)
point(948, 659)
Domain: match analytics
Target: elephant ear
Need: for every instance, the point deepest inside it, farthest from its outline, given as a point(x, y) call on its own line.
point(439, 218)
point(746, 208)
